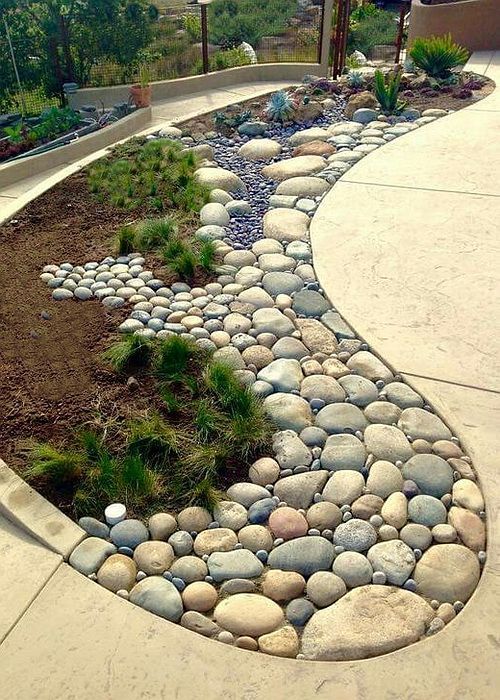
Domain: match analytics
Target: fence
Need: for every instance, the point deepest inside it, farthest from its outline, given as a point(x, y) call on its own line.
point(159, 43)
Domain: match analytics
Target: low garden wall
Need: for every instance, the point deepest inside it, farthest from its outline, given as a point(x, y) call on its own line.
point(34, 165)
point(473, 23)
point(164, 89)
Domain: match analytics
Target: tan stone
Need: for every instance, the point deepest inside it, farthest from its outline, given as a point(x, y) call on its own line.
point(283, 585)
point(367, 505)
point(395, 510)
point(314, 148)
point(367, 621)
point(194, 519)
point(361, 100)
point(285, 224)
point(255, 537)
point(335, 368)
point(259, 149)
point(199, 596)
point(264, 471)
point(247, 643)
point(316, 337)
point(117, 573)
point(294, 167)
point(283, 642)
point(466, 493)
point(469, 526)
point(447, 572)
point(248, 614)
point(218, 539)
point(153, 557)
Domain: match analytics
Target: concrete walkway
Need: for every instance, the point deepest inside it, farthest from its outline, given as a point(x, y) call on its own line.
point(14, 197)
point(420, 249)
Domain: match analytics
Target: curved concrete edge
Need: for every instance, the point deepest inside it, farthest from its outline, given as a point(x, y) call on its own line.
point(34, 165)
point(26, 508)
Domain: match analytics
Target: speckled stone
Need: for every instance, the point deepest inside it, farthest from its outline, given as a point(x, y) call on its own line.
point(283, 585)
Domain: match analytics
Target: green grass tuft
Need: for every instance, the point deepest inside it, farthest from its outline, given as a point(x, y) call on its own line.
point(132, 353)
point(48, 464)
point(154, 233)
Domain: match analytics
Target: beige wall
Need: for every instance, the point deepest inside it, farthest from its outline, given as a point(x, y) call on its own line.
point(474, 24)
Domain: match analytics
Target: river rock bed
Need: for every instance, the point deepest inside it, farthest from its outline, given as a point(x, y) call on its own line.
point(364, 530)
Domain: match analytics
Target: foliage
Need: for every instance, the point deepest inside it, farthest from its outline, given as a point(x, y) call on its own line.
point(231, 22)
point(280, 106)
point(386, 91)
point(438, 55)
point(323, 85)
point(229, 120)
point(153, 233)
point(55, 121)
point(230, 58)
point(192, 25)
point(375, 28)
point(154, 173)
point(60, 41)
point(179, 453)
point(126, 240)
point(308, 36)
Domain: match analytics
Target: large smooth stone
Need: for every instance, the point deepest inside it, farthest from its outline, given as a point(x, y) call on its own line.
point(432, 474)
point(422, 424)
point(260, 149)
point(447, 572)
point(239, 563)
point(316, 337)
point(159, 596)
point(315, 133)
point(383, 479)
point(469, 526)
point(285, 224)
point(294, 167)
point(335, 418)
point(387, 443)
point(220, 179)
point(304, 555)
point(344, 487)
point(394, 558)
point(284, 374)
point(288, 411)
point(310, 303)
point(290, 451)
point(298, 490)
point(302, 187)
point(367, 621)
point(117, 573)
point(272, 321)
point(248, 614)
point(89, 555)
point(343, 451)
point(368, 365)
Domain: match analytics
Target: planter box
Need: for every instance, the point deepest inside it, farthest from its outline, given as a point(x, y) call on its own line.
point(30, 165)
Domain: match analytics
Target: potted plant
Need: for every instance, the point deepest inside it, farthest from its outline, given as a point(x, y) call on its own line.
point(141, 92)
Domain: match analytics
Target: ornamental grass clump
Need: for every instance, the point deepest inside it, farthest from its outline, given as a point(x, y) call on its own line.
point(157, 174)
point(438, 55)
point(202, 427)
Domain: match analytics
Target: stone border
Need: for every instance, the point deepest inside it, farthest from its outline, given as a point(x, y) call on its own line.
point(11, 173)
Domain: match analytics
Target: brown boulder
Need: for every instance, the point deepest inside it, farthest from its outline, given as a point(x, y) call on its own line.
point(314, 148)
point(362, 100)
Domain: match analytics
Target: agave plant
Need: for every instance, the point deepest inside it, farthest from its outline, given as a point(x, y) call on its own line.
point(355, 79)
point(387, 92)
point(438, 55)
point(280, 107)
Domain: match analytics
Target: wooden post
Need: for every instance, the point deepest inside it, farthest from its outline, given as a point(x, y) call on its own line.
point(338, 38)
point(345, 34)
point(204, 36)
point(401, 27)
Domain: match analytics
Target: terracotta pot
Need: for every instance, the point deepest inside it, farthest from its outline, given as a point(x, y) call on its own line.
point(141, 96)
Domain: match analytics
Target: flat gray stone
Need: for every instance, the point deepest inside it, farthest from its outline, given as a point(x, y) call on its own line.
point(159, 596)
point(303, 554)
point(298, 490)
point(336, 418)
point(388, 443)
point(89, 555)
point(432, 474)
point(343, 452)
point(422, 424)
point(310, 303)
point(288, 411)
point(394, 558)
point(240, 563)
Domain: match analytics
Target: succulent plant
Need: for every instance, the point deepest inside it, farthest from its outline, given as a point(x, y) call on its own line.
point(280, 106)
point(355, 79)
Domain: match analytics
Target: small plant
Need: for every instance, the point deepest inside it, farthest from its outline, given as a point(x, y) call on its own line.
point(280, 107)
point(387, 92)
point(352, 62)
point(153, 233)
point(46, 463)
point(132, 353)
point(192, 25)
point(175, 357)
point(438, 55)
point(229, 121)
point(153, 439)
point(355, 79)
point(180, 258)
point(126, 240)
point(207, 255)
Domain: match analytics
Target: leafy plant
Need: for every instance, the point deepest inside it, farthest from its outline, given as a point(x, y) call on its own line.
point(280, 106)
point(192, 25)
point(374, 29)
point(438, 55)
point(207, 255)
point(229, 120)
point(387, 92)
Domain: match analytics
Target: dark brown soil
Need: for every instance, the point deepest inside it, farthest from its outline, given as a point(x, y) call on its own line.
point(51, 377)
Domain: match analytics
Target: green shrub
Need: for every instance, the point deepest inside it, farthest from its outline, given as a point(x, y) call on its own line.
point(438, 55)
point(192, 25)
point(376, 28)
point(232, 21)
point(126, 241)
point(230, 58)
point(387, 92)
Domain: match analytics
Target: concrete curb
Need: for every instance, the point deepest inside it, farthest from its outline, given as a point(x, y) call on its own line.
point(25, 507)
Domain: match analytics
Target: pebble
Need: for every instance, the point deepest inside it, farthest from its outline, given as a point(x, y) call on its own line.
point(283, 585)
point(153, 557)
point(353, 568)
point(199, 596)
point(324, 588)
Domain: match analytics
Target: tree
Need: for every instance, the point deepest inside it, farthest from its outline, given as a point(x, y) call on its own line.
point(67, 37)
